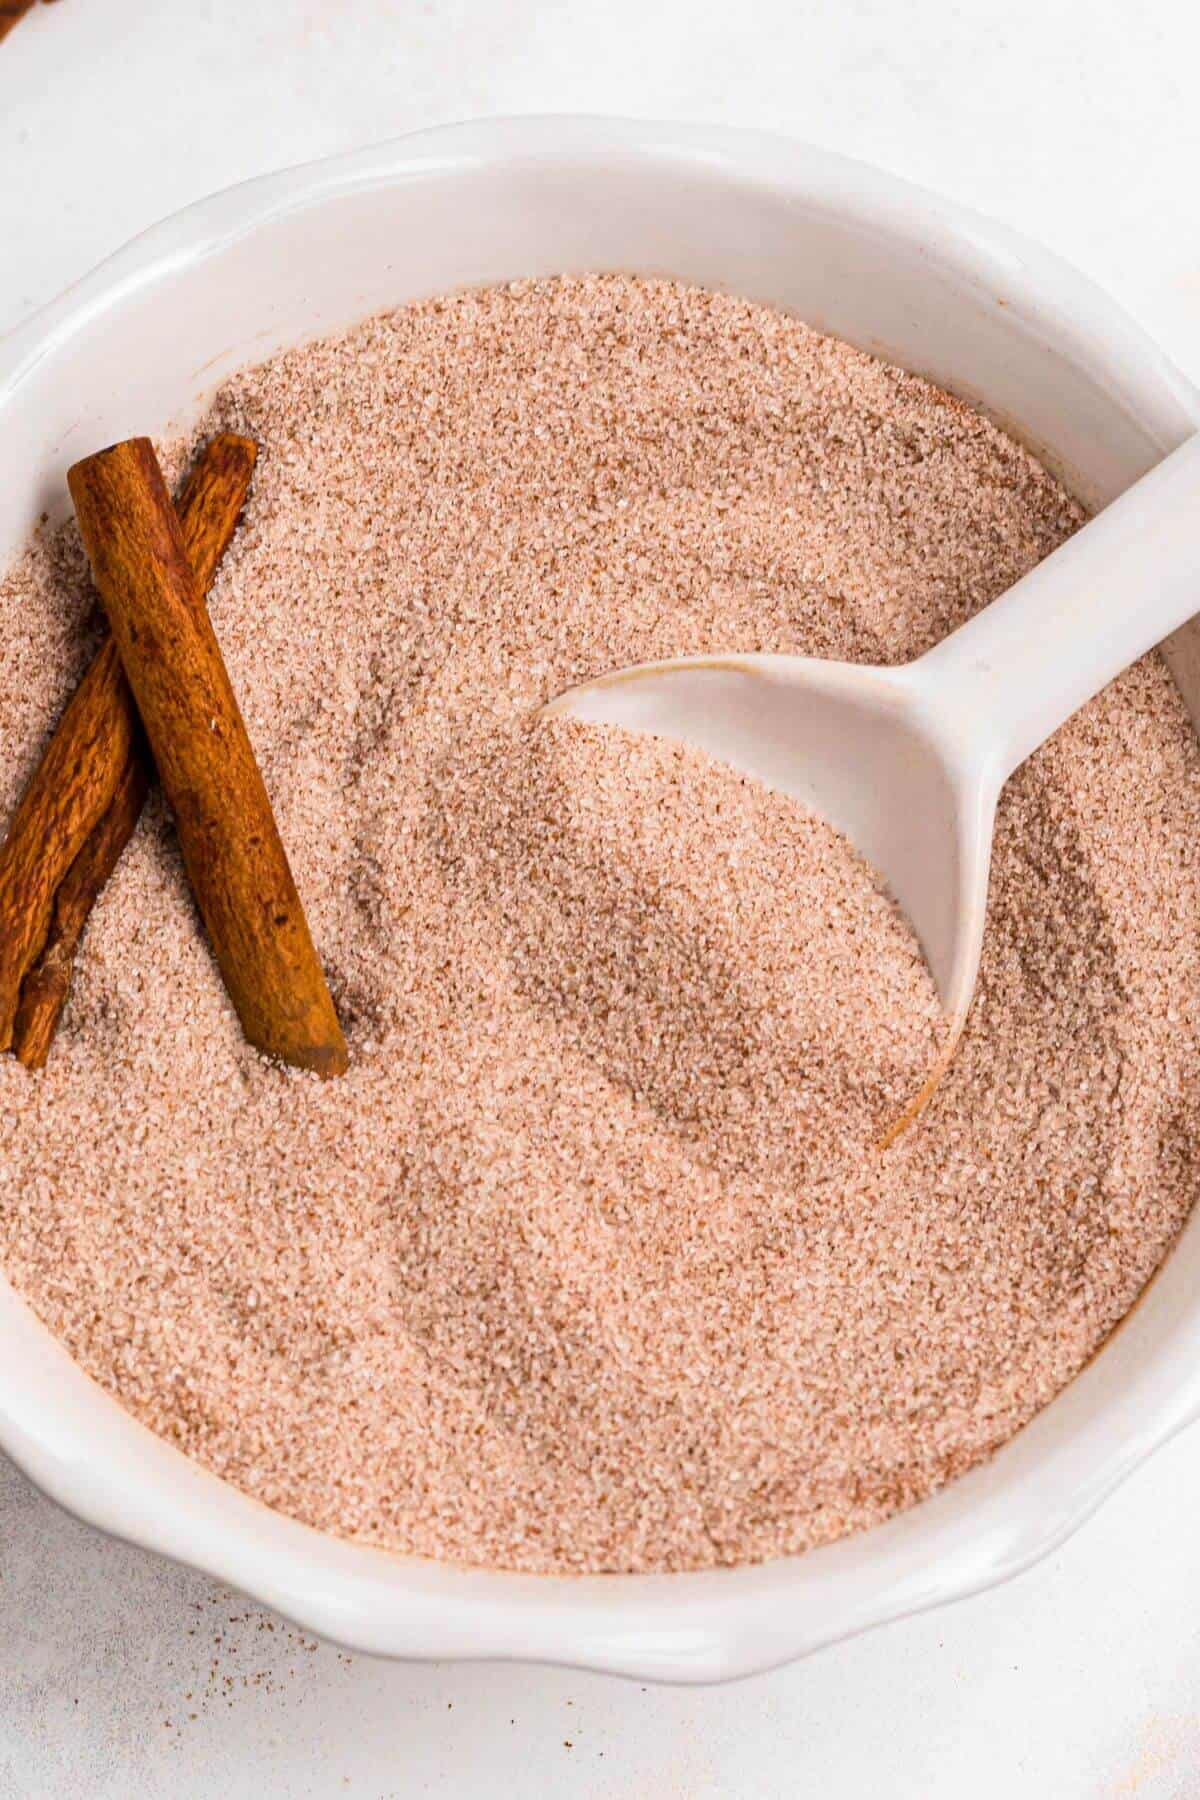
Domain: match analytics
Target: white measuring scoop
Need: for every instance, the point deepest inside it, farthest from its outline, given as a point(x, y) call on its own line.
point(909, 761)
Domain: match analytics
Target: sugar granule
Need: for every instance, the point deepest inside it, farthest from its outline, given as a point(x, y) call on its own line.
point(587, 1264)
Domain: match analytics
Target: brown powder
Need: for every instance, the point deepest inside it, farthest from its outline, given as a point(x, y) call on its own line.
point(585, 1265)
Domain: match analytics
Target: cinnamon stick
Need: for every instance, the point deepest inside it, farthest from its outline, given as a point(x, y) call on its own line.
point(70, 792)
point(11, 12)
point(231, 846)
point(44, 990)
point(83, 769)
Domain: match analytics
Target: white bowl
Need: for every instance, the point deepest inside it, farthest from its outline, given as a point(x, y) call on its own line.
point(138, 346)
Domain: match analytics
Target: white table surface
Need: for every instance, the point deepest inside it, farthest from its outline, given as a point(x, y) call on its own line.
point(121, 1676)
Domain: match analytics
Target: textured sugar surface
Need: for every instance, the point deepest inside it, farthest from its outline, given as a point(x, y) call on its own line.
point(587, 1264)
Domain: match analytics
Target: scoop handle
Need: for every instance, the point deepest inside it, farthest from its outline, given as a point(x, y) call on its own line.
point(1015, 672)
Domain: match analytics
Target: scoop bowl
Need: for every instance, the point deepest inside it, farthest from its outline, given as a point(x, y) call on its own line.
point(857, 744)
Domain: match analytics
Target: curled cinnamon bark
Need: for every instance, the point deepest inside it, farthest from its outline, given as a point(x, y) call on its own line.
point(231, 846)
point(86, 770)
point(44, 990)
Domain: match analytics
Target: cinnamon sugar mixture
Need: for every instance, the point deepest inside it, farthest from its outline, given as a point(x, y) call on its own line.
point(588, 1263)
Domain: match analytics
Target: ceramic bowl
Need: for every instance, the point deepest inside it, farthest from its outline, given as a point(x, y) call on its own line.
point(140, 344)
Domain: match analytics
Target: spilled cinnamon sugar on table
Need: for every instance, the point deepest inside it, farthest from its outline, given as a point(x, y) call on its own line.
point(584, 1265)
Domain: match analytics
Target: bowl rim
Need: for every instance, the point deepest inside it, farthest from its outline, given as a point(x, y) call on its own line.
point(701, 1626)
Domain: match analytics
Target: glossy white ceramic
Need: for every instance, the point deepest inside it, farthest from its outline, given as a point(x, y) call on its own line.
point(140, 343)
